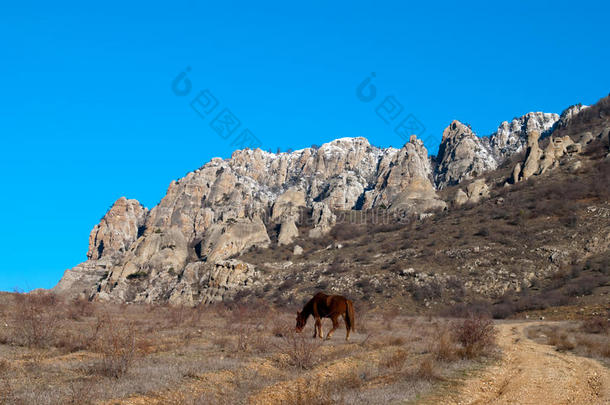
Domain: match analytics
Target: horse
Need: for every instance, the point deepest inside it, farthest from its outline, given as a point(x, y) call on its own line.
point(327, 306)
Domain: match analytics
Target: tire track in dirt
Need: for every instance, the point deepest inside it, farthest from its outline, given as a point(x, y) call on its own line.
point(532, 373)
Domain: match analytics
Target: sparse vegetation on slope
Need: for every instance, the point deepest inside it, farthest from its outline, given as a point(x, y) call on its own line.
point(132, 354)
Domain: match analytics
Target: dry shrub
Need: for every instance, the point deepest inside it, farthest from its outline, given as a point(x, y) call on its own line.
point(244, 338)
point(476, 335)
point(596, 324)
point(119, 346)
point(250, 340)
point(363, 316)
point(6, 390)
point(427, 370)
point(443, 346)
point(396, 341)
point(593, 345)
point(345, 231)
point(72, 340)
point(37, 319)
point(301, 350)
point(560, 340)
point(352, 380)
point(394, 360)
point(79, 308)
point(81, 392)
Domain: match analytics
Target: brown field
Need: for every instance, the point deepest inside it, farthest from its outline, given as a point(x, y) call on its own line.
point(78, 352)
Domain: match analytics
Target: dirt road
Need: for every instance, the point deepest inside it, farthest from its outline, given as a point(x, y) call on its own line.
point(532, 373)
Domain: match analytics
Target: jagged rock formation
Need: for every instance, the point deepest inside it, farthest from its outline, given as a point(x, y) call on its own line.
point(568, 114)
point(224, 207)
point(532, 158)
point(118, 229)
point(538, 161)
point(227, 239)
point(511, 138)
point(404, 182)
point(323, 220)
point(288, 232)
point(463, 155)
point(228, 206)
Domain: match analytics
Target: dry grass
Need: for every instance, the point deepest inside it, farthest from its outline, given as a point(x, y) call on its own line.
point(590, 338)
point(218, 354)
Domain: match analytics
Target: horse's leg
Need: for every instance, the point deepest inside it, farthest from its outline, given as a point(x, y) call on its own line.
point(347, 327)
point(320, 335)
point(335, 325)
point(318, 328)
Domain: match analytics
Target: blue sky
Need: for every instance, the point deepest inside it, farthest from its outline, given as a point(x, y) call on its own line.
point(87, 112)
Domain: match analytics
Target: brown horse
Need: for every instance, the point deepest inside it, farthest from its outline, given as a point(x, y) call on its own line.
point(327, 306)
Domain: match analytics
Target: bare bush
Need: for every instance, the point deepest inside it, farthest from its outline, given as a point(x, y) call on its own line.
point(37, 319)
point(560, 340)
point(442, 345)
point(346, 231)
point(596, 324)
point(81, 392)
point(301, 350)
point(117, 342)
point(476, 335)
point(79, 308)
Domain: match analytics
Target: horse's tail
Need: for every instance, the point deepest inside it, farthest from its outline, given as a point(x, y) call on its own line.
point(349, 316)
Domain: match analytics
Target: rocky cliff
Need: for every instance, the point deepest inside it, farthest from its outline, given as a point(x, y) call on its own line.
point(463, 155)
point(178, 251)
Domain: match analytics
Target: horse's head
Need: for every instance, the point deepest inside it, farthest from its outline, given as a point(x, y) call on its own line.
point(301, 320)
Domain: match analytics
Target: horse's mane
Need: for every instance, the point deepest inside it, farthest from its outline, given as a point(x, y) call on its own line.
point(308, 308)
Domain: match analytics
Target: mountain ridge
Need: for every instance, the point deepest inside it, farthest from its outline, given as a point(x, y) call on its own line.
point(229, 206)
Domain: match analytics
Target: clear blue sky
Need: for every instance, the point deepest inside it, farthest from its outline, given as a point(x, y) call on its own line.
point(87, 113)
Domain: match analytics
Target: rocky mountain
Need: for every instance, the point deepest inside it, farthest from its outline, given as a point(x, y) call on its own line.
point(463, 155)
point(182, 249)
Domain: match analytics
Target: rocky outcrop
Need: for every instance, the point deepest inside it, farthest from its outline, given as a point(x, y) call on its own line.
point(118, 229)
point(555, 149)
point(82, 281)
point(227, 206)
point(228, 239)
point(461, 156)
point(405, 182)
point(287, 205)
point(322, 218)
point(475, 191)
point(221, 281)
point(532, 157)
point(511, 137)
point(288, 232)
point(538, 161)
point(569, 113)
point(158, 252)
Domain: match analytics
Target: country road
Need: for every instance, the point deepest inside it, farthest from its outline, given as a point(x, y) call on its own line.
point(532, 373)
